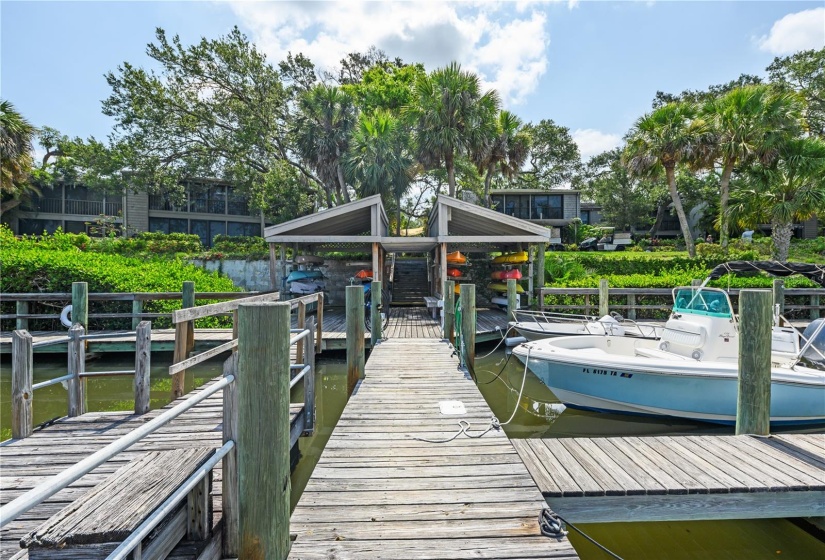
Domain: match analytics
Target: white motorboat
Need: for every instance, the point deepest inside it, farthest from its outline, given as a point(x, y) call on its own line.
point(691, 372)
point(537, 325)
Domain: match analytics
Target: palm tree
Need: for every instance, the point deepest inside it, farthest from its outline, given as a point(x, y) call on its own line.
point(450, 118)
point(326, 119)
point(380, 161)
point(748, 123)
point(505, 151)
point(661, 140)
point(792, 188)
point(16, 134)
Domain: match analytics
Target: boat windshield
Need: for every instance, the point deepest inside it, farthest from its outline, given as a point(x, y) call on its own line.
point(701, 302)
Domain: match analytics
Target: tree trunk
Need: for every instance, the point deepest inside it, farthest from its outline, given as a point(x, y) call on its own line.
point(449, 161)
point(781, 235)
point(342, 183)
point(680, 211)
point(660, 215)
point(487, 180)
point(724, 197)
point(398, 216)
point(9, 204)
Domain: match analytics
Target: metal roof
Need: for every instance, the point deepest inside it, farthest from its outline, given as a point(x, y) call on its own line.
point(362, 221)
point(453, 218)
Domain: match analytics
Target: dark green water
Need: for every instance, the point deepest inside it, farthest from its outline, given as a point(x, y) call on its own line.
point(537, 416)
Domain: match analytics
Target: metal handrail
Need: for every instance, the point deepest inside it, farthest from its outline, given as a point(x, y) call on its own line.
point(303, 334)
point(168, 505)
point(106, 373)
point(52, 342)
point(54, 381)
point(58, 482)
point(125, 334)
point(299, 377)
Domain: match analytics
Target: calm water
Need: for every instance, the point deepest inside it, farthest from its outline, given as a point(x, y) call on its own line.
point(538, 415)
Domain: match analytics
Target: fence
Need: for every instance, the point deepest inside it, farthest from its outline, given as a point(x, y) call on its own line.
point(258, 502)
point(656, 303)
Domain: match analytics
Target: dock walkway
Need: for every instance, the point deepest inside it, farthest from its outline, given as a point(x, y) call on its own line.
point(379, 492)
point(676, 478)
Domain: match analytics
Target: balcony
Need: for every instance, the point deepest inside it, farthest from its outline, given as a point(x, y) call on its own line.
point(50, 205)
point(93, 207)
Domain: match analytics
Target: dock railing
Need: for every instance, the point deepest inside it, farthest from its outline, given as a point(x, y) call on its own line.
point(656, 303)
point(23, 385)
point(256, 506)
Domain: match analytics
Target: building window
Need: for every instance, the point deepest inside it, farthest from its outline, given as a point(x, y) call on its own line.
point(585, 216)
point(237, 229)
point(168, 225)
point(216, 228)
point(547, 207)
point(208, 200)
point(75, 227)
point(38, 227)
point(237, 204)
point(497, 202)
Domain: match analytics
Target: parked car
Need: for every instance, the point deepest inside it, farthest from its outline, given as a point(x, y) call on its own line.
point(610, 240)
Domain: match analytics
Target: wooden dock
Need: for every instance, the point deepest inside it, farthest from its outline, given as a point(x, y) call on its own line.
point(676, 478)
point(28, 462)
point(379, 491)
point(404, 322)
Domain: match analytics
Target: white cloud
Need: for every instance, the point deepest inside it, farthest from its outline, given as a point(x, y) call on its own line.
point(795, 32)
point(505, 46)
point(592, 142)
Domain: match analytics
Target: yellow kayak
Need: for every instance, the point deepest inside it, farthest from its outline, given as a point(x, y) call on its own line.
point(501, 287)
point(511, 258)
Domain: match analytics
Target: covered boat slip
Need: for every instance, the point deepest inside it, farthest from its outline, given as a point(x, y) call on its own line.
point(453, 225)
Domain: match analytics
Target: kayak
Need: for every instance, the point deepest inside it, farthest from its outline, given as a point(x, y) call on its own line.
point(304, 275)
point(501, 287)
point(511, 258)
point(456, 258)
point(453, 272)
point(514, 274)
point(306, 287)
point(309, 259)
point(363, 273)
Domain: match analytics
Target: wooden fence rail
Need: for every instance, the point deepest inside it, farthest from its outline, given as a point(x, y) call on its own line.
point(633, 309)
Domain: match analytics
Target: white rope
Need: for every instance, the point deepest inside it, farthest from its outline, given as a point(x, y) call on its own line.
point(521, 391)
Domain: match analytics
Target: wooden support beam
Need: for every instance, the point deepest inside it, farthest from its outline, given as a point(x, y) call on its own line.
point(309, 380)
point(281, 284)
point(753, 408)
point(302, 321)
point(80, 304)
point(319, 316)
point(375, 314)
point(199, 510)
point(539, 271)
point(376, 266)
point(22, 308)
point(22, 374)
point(449, 311)
point(137, 309)
point(263, 447)
point(468, 323)
point(76, 366)
point(274, 281)
point(512, 299)
point(143, 366)
point(180, 354)
point(355, 336)
point(604, 294)
point(188, 300)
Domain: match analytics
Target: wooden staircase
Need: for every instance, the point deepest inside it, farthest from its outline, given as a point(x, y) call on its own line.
point(410, 284)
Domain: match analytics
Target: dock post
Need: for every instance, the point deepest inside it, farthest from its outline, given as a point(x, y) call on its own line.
point(76, 366)
point(263, 446)
point(779, 294)
point(309, 379)
point(512, 299)
point(753, 407)
point(468, 323)
point(80, 304)
point(302, 321)
point(319, 317)
point(143, 366)
point(137, 309)
point(184, 340)
point(631, 306)
point(22, 308)
point(22, 373)
point(229, 484)
point(815, 308)
point(604, 291)
point(375, 313)
point(188, 300)
point(449, 311)
point(541, 248)
point(355, 336)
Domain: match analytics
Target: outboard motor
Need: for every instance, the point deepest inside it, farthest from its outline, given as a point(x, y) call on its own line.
point(812, 356)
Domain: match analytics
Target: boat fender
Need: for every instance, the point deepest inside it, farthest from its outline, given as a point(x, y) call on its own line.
point(664, 346)
point(65, 316)
point(514, 340)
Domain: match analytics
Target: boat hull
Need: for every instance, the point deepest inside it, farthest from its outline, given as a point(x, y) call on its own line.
point(609, 385)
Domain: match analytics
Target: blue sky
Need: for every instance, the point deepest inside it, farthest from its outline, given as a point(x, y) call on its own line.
point(591, 66)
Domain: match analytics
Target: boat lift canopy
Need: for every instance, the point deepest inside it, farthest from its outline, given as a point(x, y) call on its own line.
point(813, 272)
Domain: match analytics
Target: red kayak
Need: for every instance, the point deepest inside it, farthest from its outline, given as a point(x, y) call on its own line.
point(514, 274)
point(453, 272)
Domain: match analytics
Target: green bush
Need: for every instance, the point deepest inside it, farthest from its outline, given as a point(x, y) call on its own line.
point(239, 247)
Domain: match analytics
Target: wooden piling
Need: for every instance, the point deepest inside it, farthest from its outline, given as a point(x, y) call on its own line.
point(263, 446)
point(319, 317)
point(137, 309)
point(22, 373)
point(449, 311)
point(541, 248)
point(309, 380)
point(76, 365)
point(302, 321)
point(22, 308)
point(184, 340)
point(512, 299)
point(229, 484)
point(754, 400)
point(604, 294)
point(188, 300)
point(468, 322)
point(779, 294)
point(143, 365)
point(80, 304)
point(815, 308)
point(375, 313)
point(355, 336)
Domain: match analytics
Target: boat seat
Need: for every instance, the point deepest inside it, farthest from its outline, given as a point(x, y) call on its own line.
point(692, 336)
point(784, 341)
point(659, 354)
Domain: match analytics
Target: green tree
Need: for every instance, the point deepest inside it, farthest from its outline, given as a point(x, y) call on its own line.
point(380, 161)
point(792, 188)
point(658, 142)
point(554, 156)
point(451, 118)
point(747, 124)
point(804, 72)
point(504, 152)
point(323, 129)
point(16, 162)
